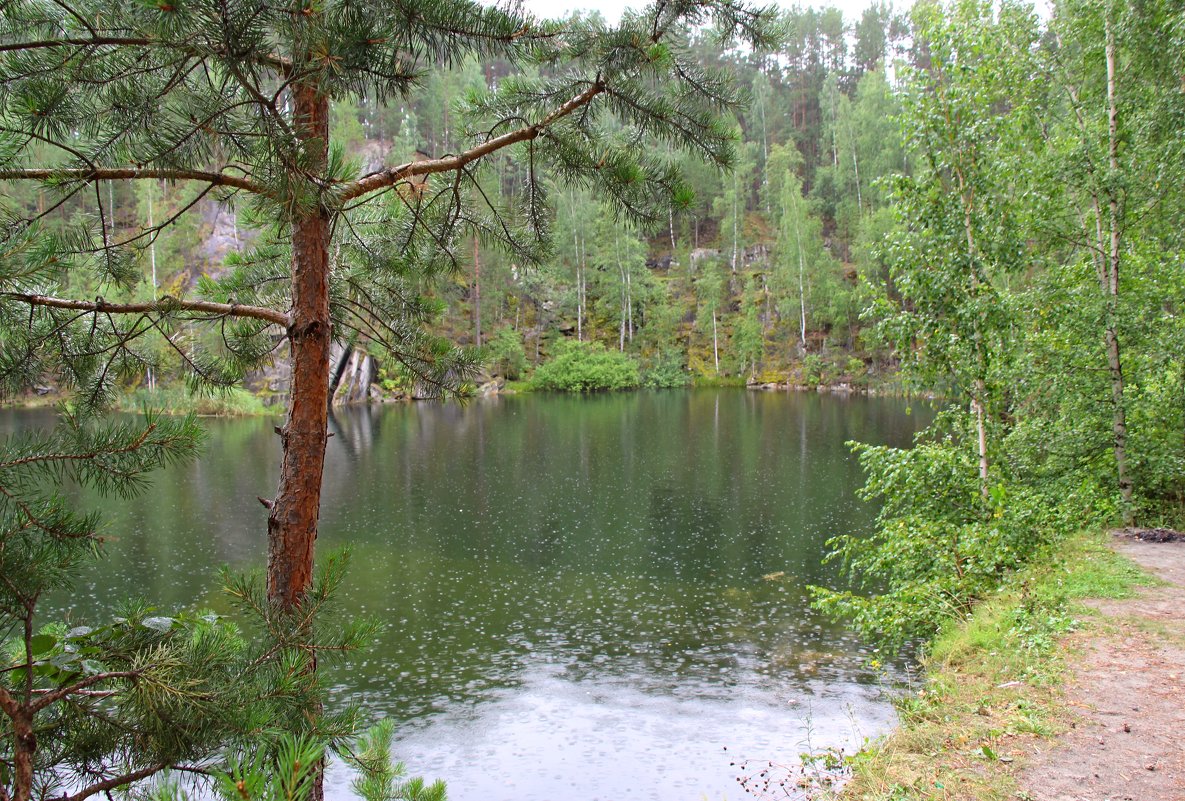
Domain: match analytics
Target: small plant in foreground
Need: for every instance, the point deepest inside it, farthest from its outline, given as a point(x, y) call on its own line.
point(818, 772)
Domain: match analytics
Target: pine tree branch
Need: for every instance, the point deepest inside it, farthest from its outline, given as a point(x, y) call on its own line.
point(33, 521)
point(116, 781)
point(9, 705)
point(164, 305)
point(386, 178)
point(88, 41)
point(278, 63)
point(62, 692)
point(90, 456)
point(132, 173)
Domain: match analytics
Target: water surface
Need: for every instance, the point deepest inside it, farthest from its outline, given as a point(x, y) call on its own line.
point(584, 597)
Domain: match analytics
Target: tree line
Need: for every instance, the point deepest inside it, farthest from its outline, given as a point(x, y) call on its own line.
point(740, 274)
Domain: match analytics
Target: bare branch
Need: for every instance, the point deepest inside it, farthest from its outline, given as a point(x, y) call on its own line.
point(133, 173)
point(117, 781)
point(389, 177)
point(164, 305)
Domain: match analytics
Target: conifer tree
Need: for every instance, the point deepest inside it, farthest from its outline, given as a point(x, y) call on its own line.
point(234, 98)
point(90, 708)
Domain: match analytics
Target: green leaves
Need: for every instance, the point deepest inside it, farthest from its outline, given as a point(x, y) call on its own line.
point(41, 643)
point(586, 367)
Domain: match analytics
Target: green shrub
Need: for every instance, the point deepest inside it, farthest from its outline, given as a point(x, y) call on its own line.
point(231, 402)
point(812, 369)
point(940, 546)
point(505, 354)
point(709, 381)
point(666, 371)
point(586, 367)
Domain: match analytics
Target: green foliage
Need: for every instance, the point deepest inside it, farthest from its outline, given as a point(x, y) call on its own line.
point(230, 402)
point(716, 381)
point(288, 771)
point(812, 369)
point(939, 546)
point(586, 367)
point(999, 282)
point(287, 774)
point(123, 700)
point(381, 779)
point(506, 355)
point(666, 371)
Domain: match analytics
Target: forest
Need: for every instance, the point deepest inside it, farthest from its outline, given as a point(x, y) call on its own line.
point(744, 275)
point(966, 200)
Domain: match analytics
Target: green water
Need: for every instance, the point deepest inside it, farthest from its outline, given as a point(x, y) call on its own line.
point(573, 587)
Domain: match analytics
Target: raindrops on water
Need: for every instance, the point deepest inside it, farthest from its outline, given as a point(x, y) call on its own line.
point(597, 592)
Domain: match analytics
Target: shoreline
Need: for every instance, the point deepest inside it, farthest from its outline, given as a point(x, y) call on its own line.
point(243, 403)
point(1015, 701)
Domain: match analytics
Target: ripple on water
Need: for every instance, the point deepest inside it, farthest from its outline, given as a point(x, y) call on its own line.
point(572, 590)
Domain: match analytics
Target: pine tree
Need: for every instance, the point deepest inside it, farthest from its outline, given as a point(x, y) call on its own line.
point(90, 708)
point(235, 98)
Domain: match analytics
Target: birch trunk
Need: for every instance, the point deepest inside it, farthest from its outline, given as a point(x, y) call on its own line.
point(1111, 286)
point(715, 345)
point(477, 289)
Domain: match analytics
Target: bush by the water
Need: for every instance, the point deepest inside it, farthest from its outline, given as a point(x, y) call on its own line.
point(666, 371)
point(940, 545)
point(586, 367)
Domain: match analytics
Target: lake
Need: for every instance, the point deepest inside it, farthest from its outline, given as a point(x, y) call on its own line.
point(583, 597)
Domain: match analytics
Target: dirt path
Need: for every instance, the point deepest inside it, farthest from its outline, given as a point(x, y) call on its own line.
point(1128, 687)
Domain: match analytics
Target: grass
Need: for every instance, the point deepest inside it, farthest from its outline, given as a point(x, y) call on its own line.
point(518, 385)
point(234, 402)
point(993, 683)
point(712, 381)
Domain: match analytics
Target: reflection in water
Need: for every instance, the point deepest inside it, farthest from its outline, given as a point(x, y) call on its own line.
point(572, 587)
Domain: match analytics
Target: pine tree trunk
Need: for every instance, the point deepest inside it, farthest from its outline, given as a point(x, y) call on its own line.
point(25, 741)
point(292, 521)
point(292, 524)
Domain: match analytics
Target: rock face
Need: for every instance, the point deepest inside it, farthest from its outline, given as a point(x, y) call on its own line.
point(701, 255)
point(223, 237)
point(352, 371)
point(755, 254)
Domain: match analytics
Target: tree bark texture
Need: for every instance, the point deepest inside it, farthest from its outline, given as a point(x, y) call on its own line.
point(292, 522)
point(25, 742)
